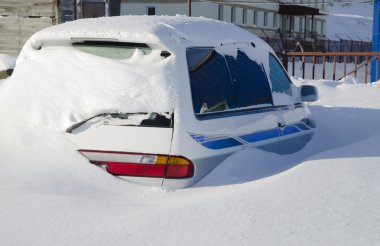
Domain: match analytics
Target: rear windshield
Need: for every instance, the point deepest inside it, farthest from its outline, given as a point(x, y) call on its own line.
point(113, 50)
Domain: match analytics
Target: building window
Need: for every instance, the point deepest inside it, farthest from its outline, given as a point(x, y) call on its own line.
point(220, 12)
point(300, 24)
point(151, 10)
point(255, 17)
point(233, 14)
point(322, 27)
point(292, 20)
point(244, 20)
point(265, 18)
point(274, 20)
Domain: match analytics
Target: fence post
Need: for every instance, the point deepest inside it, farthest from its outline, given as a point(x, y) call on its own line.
point(334, 67)
point(303, 66)
point(294, 64)
point(375, 37)
point(366, 70)
point(285, 59)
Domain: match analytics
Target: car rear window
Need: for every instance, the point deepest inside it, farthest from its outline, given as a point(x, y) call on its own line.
point(112, 50)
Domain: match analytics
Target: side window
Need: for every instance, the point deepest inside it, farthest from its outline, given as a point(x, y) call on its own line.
point(210, 81)
point(250, 82)
point(280, 80)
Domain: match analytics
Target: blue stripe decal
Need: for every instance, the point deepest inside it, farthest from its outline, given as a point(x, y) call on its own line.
point(302, 126)
point(226, 141)
point(260, 136)
point(289, 130)
point(221, 144)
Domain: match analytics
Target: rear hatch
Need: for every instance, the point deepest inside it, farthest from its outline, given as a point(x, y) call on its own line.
point(134, 146)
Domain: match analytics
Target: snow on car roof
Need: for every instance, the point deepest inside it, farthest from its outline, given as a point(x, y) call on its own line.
point(150, 29)
point(82, 85)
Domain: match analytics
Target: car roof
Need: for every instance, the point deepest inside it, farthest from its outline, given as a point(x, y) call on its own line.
point(168, 31)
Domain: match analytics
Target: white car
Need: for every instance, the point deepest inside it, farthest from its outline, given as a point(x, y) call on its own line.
point(198, 89)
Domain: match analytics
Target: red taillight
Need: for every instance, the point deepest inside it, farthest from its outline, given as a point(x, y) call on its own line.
point(134, 169)
point(142, 165)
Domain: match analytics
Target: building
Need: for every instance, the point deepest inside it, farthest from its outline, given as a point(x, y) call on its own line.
point(303, 19)
point(269, 19)
point(19, 19)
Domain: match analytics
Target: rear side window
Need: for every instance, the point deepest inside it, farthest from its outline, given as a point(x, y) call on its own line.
point(280, 80)
point(211, 85)
point(249, 80)
point(220, 83)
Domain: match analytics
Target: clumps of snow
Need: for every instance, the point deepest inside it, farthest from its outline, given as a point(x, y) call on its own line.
point(7, 62)
point(60, 86)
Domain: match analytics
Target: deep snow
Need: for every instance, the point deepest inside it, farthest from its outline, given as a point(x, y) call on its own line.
point(326, 194)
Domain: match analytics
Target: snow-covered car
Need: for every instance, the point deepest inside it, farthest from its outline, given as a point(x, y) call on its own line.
point(164, 100)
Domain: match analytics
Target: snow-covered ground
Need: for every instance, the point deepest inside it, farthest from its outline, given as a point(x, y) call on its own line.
point(349, 20)
point(326, 194)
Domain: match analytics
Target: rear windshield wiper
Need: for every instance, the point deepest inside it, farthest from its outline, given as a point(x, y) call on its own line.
point(76, 125)
point(152, 120)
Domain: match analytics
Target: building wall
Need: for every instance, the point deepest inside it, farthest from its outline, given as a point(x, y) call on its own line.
point(19, 19)
point(205, 9)
point(267, 17)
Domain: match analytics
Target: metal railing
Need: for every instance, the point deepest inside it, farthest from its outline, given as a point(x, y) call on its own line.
point(360, 60)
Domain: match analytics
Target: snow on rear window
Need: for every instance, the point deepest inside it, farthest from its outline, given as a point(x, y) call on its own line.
point(112, 50)
point(61, 85)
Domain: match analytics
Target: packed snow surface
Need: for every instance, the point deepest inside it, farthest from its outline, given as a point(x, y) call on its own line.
point(326, 194)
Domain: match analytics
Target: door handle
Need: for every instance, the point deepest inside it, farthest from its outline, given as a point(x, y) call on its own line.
point(281, 125)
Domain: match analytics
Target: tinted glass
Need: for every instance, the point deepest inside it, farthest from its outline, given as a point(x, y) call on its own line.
point(210, 80)
point(280, 80)
point(249, 80)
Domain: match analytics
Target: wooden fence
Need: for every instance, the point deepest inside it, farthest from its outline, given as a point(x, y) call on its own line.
point(361, 60)
point(19, 19)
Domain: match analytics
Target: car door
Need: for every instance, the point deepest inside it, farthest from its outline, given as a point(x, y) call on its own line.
point(231, 99)
point(289, 109)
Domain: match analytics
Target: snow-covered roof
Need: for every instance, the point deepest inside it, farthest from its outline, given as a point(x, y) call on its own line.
point(148, 29)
